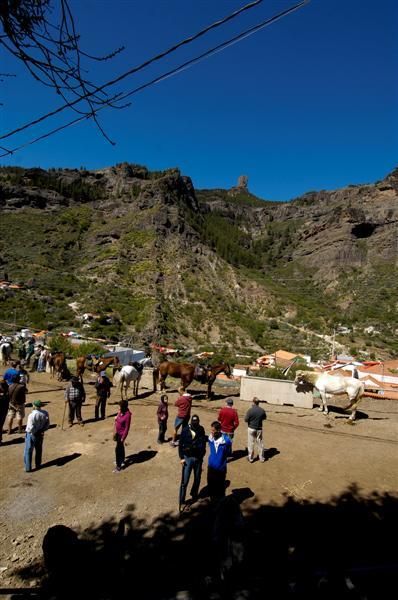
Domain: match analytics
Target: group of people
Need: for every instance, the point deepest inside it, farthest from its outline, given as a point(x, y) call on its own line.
point(188, 436)
point(193, 441)
point(13, 390)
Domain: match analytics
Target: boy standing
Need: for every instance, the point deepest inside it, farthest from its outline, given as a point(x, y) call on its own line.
point(220, 449)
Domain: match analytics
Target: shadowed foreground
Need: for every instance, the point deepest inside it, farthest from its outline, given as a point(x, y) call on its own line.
point(344, 549)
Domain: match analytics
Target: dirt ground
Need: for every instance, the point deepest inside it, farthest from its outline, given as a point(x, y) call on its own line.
point(310, 458)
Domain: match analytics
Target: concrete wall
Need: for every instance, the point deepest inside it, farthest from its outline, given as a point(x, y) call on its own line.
point(274, 391)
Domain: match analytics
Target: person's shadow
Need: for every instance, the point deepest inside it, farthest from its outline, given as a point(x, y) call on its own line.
point(61, 461)
point(270, 453)
point(139, 457)
point(237, 455)
point(18, 440)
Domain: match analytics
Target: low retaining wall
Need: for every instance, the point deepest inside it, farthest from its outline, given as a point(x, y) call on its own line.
point(274, 391)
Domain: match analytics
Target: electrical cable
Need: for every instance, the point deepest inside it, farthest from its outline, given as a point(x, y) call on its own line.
point(134, 70)
point(168, 74)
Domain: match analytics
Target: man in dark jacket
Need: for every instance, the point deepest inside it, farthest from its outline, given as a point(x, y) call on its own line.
point(75, 396)
point(4, 403)
point(17, 396)
point(191, 449)
point(254, 419)
point(103, 388)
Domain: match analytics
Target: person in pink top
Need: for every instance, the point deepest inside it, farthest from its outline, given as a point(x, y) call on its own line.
point(122, 427)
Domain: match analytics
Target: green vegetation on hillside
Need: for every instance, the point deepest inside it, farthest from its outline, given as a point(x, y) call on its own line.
point(242, 284)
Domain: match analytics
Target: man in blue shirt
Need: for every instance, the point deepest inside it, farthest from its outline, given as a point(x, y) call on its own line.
point(220, 447)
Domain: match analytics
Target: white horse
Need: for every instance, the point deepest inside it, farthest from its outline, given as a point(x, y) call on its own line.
point(329, 385)
point(125, 376)
point(5, 351)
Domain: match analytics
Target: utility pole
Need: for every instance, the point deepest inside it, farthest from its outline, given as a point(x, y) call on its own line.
point(333, 343)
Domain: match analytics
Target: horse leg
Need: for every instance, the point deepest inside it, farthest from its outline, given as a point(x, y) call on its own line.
point(324, 407)
point(186, 380)
point(163, 382)
point(353, 406)
point(155, 376)
point(209, 385)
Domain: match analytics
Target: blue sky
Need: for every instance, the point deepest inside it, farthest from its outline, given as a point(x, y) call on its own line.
point(308, 103)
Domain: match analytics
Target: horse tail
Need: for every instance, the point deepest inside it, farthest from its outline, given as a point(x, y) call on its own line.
point(121, 382)
point(355, 401)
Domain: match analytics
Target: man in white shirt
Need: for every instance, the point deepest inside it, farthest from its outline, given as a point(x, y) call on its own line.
point(38, 422)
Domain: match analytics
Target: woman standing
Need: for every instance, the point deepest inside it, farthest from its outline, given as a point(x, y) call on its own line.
point(163, 415)
point(122, 427)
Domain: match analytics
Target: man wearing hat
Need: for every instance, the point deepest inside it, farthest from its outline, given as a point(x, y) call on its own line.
point(103, 389)
point(228, 417)
point(38, 422)
point(75, 396)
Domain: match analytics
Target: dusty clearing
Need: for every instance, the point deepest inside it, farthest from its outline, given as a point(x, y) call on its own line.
point(313, 458)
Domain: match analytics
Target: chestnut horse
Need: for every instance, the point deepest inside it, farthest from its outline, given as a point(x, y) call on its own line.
point(100, 365)
point(187, 372)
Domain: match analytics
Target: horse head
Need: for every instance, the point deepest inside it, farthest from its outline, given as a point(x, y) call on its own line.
point(227, 370)
point(299, 379)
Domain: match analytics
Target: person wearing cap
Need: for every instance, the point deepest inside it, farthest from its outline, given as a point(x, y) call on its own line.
point(254, 419)
point(103, 389)
point(38, 422)
point(191, 449)
point(229, 419)
point(4, 404)
point(17, 395)
point(75, 396)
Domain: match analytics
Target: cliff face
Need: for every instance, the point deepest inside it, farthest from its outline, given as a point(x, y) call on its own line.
point(196, 267)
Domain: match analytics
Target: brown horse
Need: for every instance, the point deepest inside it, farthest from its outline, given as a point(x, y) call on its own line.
point(187, 372)
point(100, 365)
point(57, 363)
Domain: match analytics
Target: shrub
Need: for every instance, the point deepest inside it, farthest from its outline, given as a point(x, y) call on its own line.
point(61, 344)
point(87, 348)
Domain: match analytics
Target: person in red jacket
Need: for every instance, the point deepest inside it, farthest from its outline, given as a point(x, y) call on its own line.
point(228, 417)
point(184, 405)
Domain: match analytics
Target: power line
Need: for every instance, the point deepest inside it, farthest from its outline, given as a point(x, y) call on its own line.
point(134, 70)
point(172, 72)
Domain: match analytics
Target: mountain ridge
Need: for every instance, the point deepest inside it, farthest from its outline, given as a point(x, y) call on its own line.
point(204, 267)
